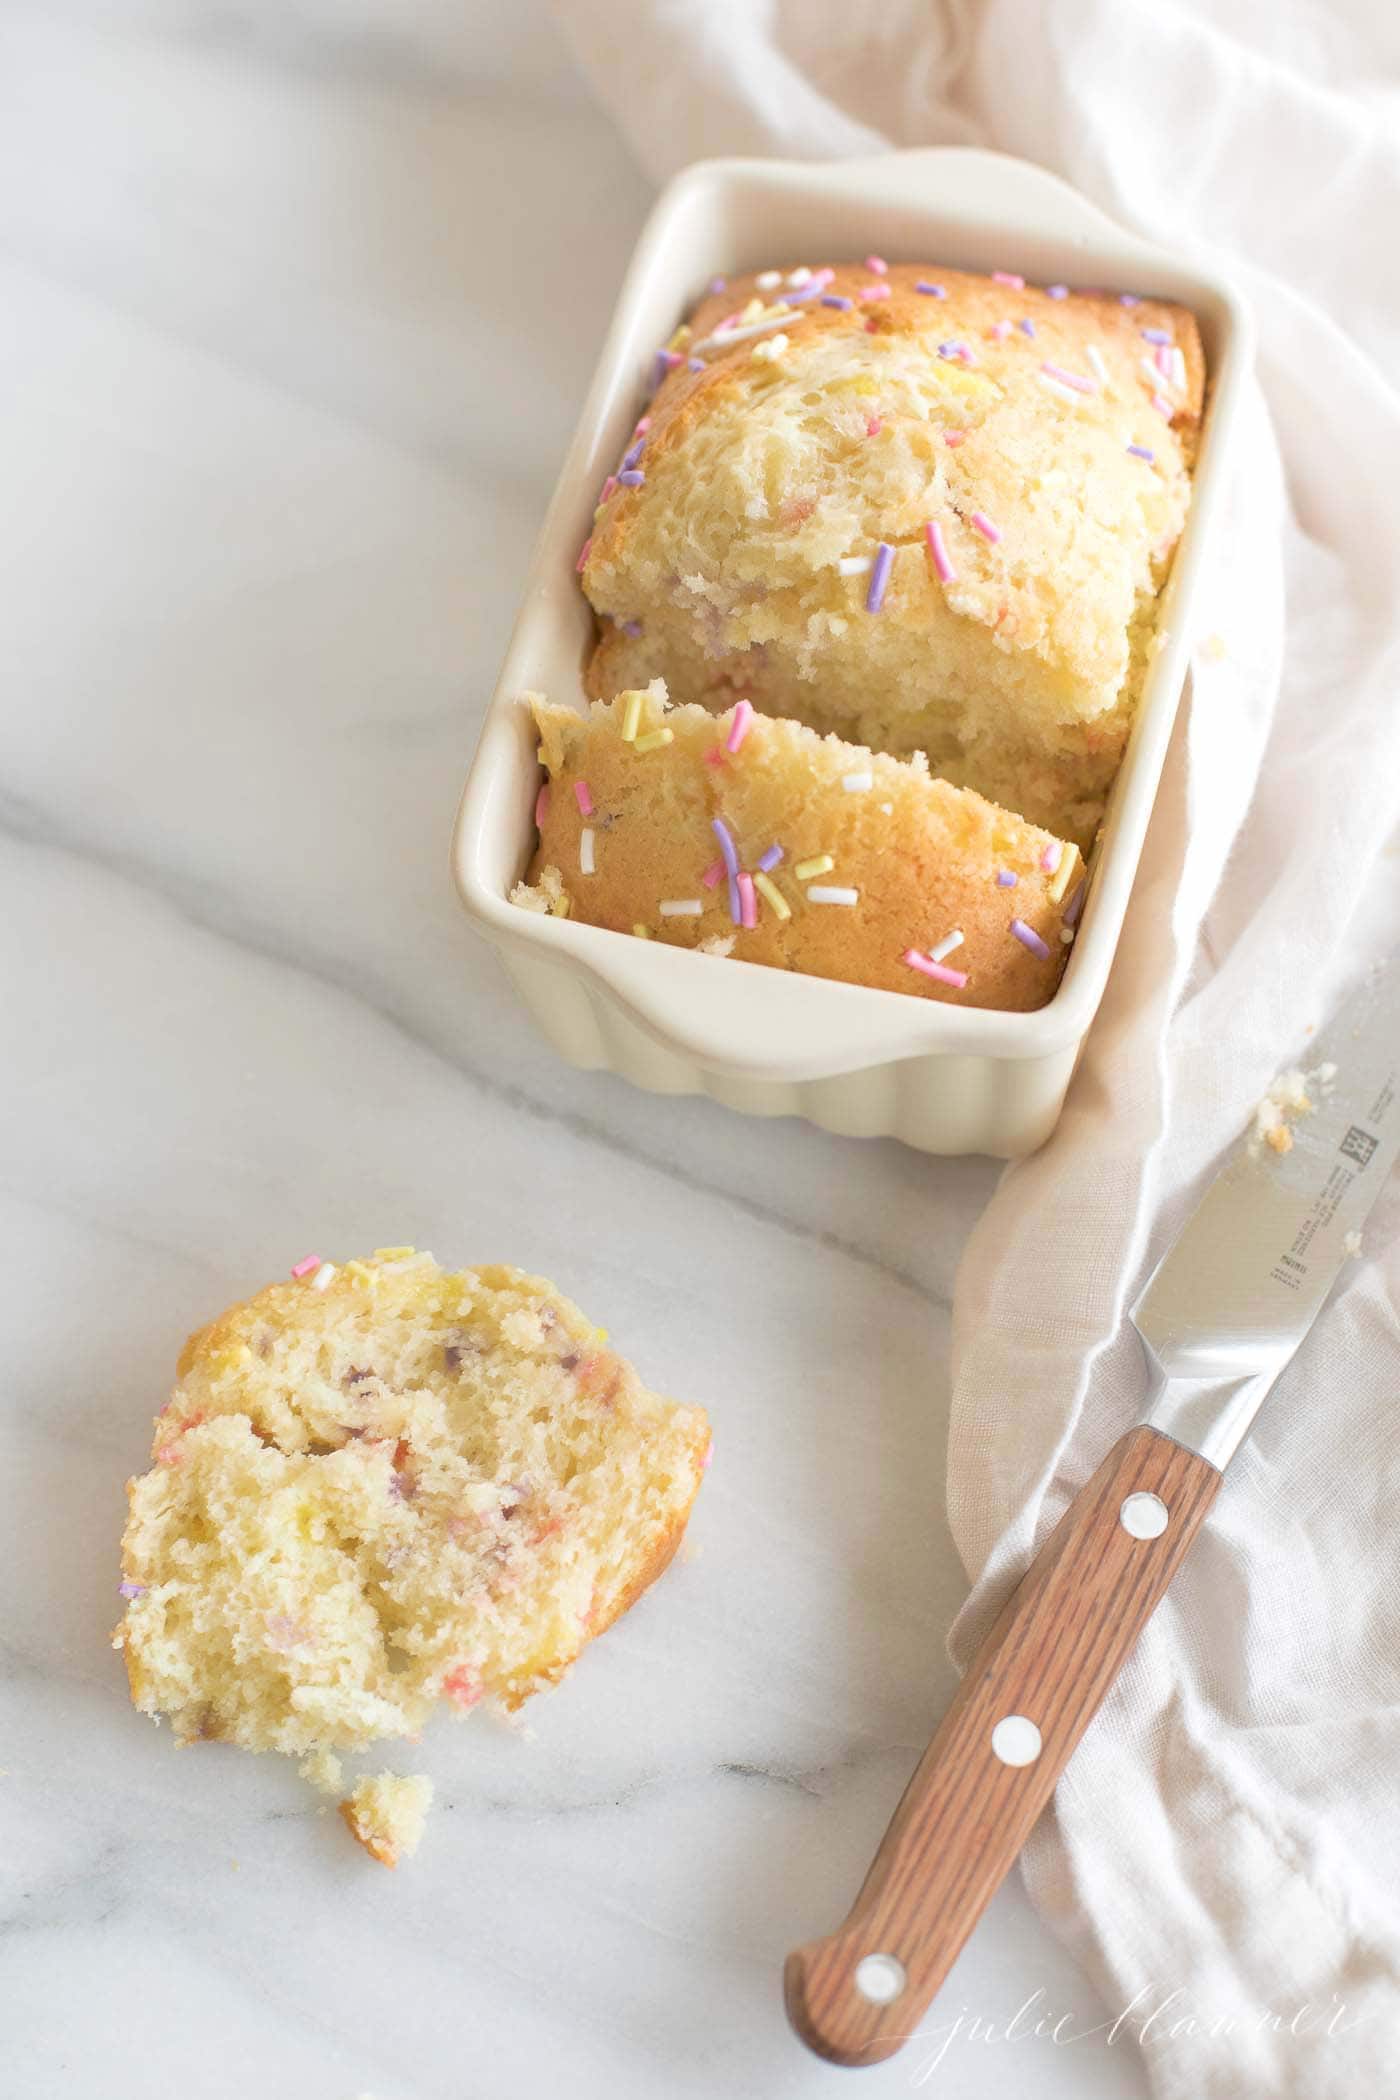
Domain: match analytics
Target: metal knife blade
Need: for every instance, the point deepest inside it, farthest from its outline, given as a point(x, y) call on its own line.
point(1230, 1301)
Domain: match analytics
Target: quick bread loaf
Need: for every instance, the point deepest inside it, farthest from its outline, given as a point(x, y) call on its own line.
point(1023, 454)
point(758, 838)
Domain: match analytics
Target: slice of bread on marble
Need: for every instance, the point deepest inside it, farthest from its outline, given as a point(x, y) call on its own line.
point(385, 1486)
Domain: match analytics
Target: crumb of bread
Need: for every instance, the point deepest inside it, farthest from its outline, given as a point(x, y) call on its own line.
point(546, 894)
point(718, 944)
point(323, 1769)
point(1287, 1102)
point(389, 1488)
point(386, 1815)
point(1280, 1137)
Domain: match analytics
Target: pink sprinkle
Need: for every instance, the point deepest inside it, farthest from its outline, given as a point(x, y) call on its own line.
point(304, 1268)
point(1009, 279)
point(984, 525)
point(641, 426)
point(748, 902)
point(584, 551)
point(462, 1686)
point(822, 278)
point(608, 488)
point(876, 263)
point(954, 437)
point(714, 756)
point(739, 727)
point(1077, 380)
point(541, 812)
point(999, 331)
point(932, 532)
point(712, 874)
point(168, 1455)
point(873, 426)
point(926, 963)
point(1050, 858)
point(708, 1460)
point(583, 798)
point(873, 291)
point(1163, 406)
point(872, 327)
point(1162, 359)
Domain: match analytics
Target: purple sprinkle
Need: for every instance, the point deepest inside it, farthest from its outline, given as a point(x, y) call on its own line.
point(736, 907)
point(131, 1589)
point(1155, 335)
point(931, 291)
point(1057, 291)
point(879, 576)
point(953, 350)
point(1026, 326)
point(659, 369)
point(1029, 938)
point(633, 478)
point(770, 859)
point(1129, 299)
point(1142, 452)
point(726, 847)
point(1076, 903)
point(632, 627)
point(1005, 879)
point(803, 293)
point(695, 364)
point(630, 458)
point(834, 299)
point(719, 284)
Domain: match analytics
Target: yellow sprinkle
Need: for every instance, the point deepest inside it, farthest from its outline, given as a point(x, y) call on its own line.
point(600, 1335)
point(563, 907)
point(643, 933)
point(654, 739)
point(820, 864)
point(681, 337)
point(775, 897)
point(631, 716)
point(391, 1253)
point(753, 310)
point(964, 382)
point(1059, 881)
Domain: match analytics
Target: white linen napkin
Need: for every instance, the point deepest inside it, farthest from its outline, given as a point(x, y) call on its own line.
point(1223, 1852)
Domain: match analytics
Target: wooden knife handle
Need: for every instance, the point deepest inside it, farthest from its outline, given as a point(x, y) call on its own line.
point(1033, 1687)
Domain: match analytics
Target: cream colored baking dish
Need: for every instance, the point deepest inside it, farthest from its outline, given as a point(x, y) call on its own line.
point(864, 1063)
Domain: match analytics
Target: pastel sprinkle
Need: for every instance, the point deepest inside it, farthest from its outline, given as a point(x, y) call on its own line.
point(583, 553)
point(768, 280)
point(643, 933)
point(768, 889)
point(608, 488)
point(655, 740)
point(739, 727)
point(799, 298)
point(131, 1589)
point(934, 535)
point(1163, 406)
point(1178, 373)
point(748, 904)
point(324, 1275)
point(857, 783)
point(715, 756)
point(874, 291)
point(945, 947)
point(632, 627)
point(819, 864)
point(955, 348)
point(1076, 904)
point(1026, 325)
point(641, 426)
point(726, 845)
point(1056, 387)
point(1155, 335)
point(1050, 858)
point(586, 862)
point(982, 523)
point(1057, 291)
point(695, 364)
point(853, 565)
point(930, 968)
point(818, 895)
point(1077, 380)
point(712, 874)
point(1142, 452)
point(769, 859)
point(584, 798)
point(1005, 879)
point(999, 331)
point(631, 719)
point(879, 576)
point(801, 275)
point(873, 426)
point(735, 906)
point(835, 299)
point(634, 453)
point(304, 1268)
point(1029, 938)
point(954, 437)
point(1129, 299)
point(1056, 888)
point(1094, 358)
point(1010, 279)
point(931, 291)
point(719, 284)
point(632, 478)
point(876, 263)
point(542, 805)
point(723, 337)
point(681, 908)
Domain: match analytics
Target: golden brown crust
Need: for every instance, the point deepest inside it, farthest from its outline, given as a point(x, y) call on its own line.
point(375, 1843)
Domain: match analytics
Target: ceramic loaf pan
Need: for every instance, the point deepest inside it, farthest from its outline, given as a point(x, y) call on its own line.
point(768, 1042)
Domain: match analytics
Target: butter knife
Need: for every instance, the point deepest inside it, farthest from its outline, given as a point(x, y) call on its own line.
point(1220, 1318)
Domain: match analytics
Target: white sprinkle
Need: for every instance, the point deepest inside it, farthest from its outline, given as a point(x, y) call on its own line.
point(887, 809)
point(585, 851)
point(1150, 374)
point(323, 1276)
point(681, 908)
point(1178, 364)
point(721, 339)
point(1066, 393)
point(857, 783)
point(801, 275)
point(854, 564)
point(768, 280)
point(819, 893)
point(1094, 359)
point(946, 946)
point(1067, 935)
point(770, 351)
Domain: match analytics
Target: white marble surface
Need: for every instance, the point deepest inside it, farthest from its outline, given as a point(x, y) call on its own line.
point(299, 303)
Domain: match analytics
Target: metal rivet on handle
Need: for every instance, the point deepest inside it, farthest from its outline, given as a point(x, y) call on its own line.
point(880, 1978)
point(1144, 1516)
point(1015, 1740)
